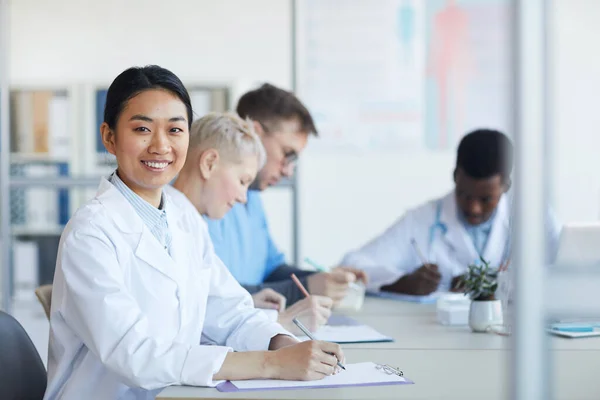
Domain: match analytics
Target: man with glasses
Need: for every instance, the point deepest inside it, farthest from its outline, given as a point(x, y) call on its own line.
point(242, 238)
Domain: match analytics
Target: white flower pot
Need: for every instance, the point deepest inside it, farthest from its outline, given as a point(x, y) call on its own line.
point(485, 314)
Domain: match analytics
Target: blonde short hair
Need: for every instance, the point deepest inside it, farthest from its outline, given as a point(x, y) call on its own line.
point(230, 135)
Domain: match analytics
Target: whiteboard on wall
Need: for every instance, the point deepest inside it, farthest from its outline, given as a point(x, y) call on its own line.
point(402, 75)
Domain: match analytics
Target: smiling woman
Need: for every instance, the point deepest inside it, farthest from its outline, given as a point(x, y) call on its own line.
point(146, 126)
point(137, 283)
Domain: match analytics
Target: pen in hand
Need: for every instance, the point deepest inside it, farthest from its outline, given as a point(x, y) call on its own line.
point(424, 261)
point(300, 285)
point(311, 337)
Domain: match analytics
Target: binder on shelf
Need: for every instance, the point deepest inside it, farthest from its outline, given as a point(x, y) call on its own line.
point(41, 112)
point(17, 197)
point(64, 209)
point(100, 102)
point(39, 209)
point(21, 122)
point(40, 124)
point(104, 160)
point(59, 140)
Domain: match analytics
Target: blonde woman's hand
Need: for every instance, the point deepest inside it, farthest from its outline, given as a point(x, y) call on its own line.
point(269, 299)
point(312, 311)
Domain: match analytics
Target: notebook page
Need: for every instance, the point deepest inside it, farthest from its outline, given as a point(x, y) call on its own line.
point(348, 334)
point(355, 374)
point(429, 299)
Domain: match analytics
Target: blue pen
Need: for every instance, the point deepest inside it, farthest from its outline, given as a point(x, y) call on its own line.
point(574, 329)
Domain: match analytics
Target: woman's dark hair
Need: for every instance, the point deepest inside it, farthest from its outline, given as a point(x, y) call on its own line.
point(135, 80)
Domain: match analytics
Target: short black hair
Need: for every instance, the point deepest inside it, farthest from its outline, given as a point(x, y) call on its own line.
point(135, 80)
point(484, 153)
point(270, 105)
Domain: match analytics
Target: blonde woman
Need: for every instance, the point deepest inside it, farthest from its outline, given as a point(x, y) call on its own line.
point(223, 156)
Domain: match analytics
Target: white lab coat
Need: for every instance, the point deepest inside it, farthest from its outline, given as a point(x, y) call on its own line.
point(127, 317)
point(390, 256)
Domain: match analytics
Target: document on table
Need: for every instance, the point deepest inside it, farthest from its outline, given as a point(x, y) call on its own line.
point(429, 299)
point(359, 374)
point(348, 334)
point(575, 329)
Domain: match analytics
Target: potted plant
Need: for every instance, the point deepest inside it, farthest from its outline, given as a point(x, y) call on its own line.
point(480, 284)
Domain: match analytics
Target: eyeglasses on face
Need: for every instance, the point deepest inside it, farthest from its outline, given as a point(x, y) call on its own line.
point(290, 156)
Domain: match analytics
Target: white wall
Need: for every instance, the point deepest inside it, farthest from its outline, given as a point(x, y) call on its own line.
point(345, 198)
point(576, 64)
point(94, 40)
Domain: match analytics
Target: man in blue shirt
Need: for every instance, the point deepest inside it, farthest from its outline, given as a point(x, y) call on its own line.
point(242, 238)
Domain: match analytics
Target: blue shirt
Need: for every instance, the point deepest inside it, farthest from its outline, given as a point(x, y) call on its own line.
point(243, 242)
point(154, 218)
point(479, 234)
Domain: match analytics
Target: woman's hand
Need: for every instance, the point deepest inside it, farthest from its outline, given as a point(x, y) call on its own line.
point(312, 311)
point(269, 299)
point(306, 361)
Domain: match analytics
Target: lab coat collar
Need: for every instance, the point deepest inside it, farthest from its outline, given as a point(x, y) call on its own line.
point(148, 248)
point(129, 221)
point(118, 208)
point(457, 236)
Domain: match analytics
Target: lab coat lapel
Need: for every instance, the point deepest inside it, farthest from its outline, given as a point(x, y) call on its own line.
point(183, 240)
point(456, 235)
point(499, 235)
point(151, 251)
point(147, 248)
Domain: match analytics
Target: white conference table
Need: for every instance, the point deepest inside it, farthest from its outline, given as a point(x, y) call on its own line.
point(382, 306)
point(425, 333)
point(444, 362)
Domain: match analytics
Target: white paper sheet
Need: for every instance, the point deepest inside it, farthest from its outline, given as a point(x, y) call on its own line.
point(348, 334)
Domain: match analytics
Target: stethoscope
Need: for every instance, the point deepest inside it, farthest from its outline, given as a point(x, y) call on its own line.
point(437, 224)
point(443, 228)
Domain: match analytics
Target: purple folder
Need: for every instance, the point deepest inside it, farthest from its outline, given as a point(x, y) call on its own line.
point(230, 387)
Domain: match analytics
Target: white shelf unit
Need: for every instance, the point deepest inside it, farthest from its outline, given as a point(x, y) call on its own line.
point(55, 230)
point(50, 151)
point(24, 158)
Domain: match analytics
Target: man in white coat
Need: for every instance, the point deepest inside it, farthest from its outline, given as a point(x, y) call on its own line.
point(431, 246)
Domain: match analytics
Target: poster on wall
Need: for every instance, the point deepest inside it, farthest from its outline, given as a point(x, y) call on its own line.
point(467, 69)
point(360, 71)
point(402, 75)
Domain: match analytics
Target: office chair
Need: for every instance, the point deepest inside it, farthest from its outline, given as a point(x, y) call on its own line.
point(22, 372)
point(44, 295)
